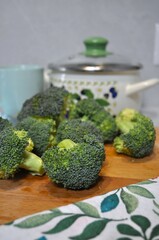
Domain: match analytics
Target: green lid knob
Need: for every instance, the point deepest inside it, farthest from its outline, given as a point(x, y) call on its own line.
point(96, 47)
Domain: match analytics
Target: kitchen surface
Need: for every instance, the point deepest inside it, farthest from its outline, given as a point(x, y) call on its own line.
point(108, 51)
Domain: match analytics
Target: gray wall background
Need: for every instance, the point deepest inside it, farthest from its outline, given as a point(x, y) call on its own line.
point(44, 31)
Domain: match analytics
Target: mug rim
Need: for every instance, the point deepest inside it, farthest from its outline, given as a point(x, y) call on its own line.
point(23, 67)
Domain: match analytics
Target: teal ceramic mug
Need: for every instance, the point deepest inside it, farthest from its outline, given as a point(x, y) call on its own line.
point(17, 84)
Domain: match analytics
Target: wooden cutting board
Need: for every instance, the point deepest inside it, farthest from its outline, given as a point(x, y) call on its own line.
point(27, 194)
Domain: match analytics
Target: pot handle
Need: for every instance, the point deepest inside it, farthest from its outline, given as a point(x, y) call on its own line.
point(137, 87)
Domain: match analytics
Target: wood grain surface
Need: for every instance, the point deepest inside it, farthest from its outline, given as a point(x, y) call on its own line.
point(27, 194)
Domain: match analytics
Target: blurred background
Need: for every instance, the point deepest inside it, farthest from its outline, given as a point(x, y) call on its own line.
point(44, 31)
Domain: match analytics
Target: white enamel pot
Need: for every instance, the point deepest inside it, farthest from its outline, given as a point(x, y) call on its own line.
point(106, 75)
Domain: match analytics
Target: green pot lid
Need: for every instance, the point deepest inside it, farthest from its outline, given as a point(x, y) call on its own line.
point(94, 59)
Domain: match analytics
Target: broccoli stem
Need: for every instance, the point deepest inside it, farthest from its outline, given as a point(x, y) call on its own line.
point(125, 126)
point(32, 163)
point(66, 144)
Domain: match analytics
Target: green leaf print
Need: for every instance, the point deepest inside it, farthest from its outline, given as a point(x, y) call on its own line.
point(64, 224)
point(155, 232)
point(87, 92)
point(142, 222)
point(128, 230)
point(130, 201)
point(110, 202)
point(88, 209)
point(102, 102)
point(156, 204)
point(9, 223)
point(140, 191)
point(146, 182)
point(157, 213)
point(40, 219)
point(124, 238)
point(92, 230)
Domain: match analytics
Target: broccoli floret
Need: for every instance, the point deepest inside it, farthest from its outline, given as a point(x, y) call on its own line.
point(4, 123)
point(86, 108)
point(90, 109)
point(54, 102)
point(127, 118)
point(74, 165)
point(42, 131)
point(76, 129)
point(13, 145)
point(107, 125)
point(137, 134)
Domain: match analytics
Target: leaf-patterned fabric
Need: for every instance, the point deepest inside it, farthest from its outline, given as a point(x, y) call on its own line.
point(128, 213)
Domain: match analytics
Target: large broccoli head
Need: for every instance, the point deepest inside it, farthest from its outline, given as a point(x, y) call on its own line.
point(137, 134)
point(54, 102)
point(74, 165)
point(76, 129)
point(42, 131)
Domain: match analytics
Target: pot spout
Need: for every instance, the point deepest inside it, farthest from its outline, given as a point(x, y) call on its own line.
point(137, 87)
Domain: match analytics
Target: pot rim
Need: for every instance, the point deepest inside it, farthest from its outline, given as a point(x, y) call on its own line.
point(89, 68)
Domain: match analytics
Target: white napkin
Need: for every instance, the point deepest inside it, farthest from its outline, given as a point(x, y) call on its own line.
point(128, 213)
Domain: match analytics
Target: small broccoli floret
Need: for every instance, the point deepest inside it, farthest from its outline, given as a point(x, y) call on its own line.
point(90, 109)
point(107, 125)
point(42, 131)
point(54, 103)
point(86, 108)
point(74, 165)
point(13, 145)
point(4, 123)
point(137, 134)
point(76, 129)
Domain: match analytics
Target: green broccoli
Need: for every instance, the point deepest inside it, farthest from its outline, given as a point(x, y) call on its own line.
point(54, 102)
point(105, 122)
point(42, 131)
point(74, 165)
point(76, 129)
point(127, 118)
point(4, 123)
point(86, 108)
point(90, 109)
point(14, 153)
point(137, 134)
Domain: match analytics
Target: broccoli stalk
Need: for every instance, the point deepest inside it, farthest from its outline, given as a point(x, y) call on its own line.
point(32, 163)
point(66, 144)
